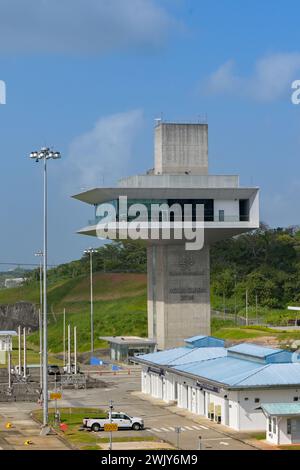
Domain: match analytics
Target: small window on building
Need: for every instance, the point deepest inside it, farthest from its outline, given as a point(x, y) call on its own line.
point(274, 425)
point(246, 398)
point(289, 426)
point(296, 398)
point(256, 400)
point(270, 425)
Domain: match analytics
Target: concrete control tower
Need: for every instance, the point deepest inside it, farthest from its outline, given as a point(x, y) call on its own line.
point(179, 280)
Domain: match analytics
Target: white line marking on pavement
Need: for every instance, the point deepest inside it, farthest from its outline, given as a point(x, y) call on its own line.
point(196, 427)
point(165, 429)
point(203, 427)
point(224, 443)
point(155, 430)
point(188, 428)
point(171, 429)
point(217, 439)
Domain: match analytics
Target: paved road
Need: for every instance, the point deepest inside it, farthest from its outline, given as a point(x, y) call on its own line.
point(159, 420)
point(24, 428)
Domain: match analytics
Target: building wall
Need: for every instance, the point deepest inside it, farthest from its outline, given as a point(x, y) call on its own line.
point(231, 209)
point(278, 434)
point(236, 412)
point(181, 148)
point(178, 294)
point(253, 419)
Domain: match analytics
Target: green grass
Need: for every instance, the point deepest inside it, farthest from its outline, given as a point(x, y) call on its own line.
point(85, 440)
point(120, 308)
point(291, 447)
point(71, 416)
point(225, 330)
point(260, 436)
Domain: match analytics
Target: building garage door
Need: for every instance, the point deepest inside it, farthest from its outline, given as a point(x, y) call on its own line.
point(295, 430)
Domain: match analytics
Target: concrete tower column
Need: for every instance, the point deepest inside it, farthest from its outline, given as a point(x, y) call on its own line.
point(178, 293)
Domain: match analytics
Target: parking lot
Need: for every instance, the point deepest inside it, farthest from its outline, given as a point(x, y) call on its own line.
point(160, 419)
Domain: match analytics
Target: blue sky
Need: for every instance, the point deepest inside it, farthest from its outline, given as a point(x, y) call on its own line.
point(90, 76)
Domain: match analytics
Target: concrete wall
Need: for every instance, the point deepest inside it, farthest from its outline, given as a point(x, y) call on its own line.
point(20, 313)
point(231, 209)
point(181, 148)
point(178, 294)
point(180, 181)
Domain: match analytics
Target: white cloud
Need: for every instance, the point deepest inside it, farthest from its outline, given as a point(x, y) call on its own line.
point(271, 78)
point(81, 26)
point(105, 151)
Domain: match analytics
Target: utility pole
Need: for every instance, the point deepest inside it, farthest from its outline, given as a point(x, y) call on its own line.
point(247, 317)
point(75, 349)
point(9, 369)
point(19, 345)
point(256, 310)
point(40, 255)
point(44, 155)
point(235, 306)
point(69, 350)
point(41, 349)
point(111, 407)
point(90, 252)
point(24, 352)
point(64, 336)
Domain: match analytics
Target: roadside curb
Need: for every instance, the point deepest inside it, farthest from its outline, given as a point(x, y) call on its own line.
point(192, 417)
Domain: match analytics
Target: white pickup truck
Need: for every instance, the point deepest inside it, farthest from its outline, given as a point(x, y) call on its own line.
point(121, 419)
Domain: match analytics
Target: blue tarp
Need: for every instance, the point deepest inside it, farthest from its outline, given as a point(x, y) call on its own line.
point(95, 361)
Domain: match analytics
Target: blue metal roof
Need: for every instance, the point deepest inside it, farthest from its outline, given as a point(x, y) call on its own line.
point(239, 373)
point(227, 370)
point(180, 356)
point(254, 350)
point(194, 338)
point(281, 409)
point(235, 367)
point(164, 357)
point(274, 374)
point(201, 341)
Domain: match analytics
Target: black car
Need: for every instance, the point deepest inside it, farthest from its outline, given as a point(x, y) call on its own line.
point(53, 370)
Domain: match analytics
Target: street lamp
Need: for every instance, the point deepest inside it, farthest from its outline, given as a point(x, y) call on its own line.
point(90, 252)
point(40, 255)
point(45, 154)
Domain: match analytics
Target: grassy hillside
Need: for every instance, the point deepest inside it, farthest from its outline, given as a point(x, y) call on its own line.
point(119, 307)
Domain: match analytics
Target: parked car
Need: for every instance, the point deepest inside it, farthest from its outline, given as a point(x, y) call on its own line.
point(123, 420)
point(53, 370)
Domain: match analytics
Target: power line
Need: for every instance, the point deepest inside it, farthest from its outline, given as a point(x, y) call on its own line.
point(26, 264)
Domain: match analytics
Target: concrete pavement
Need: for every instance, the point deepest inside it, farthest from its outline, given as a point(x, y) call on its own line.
point(160, 419)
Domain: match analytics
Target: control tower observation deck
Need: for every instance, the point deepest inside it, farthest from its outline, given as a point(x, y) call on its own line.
point(179, 278)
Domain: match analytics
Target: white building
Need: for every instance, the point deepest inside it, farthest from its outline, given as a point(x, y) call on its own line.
point(283, 423)
point(227, 385)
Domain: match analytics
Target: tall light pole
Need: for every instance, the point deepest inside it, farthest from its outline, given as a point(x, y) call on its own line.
point(40, 255)
point(44, 155)
point(90, 252)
